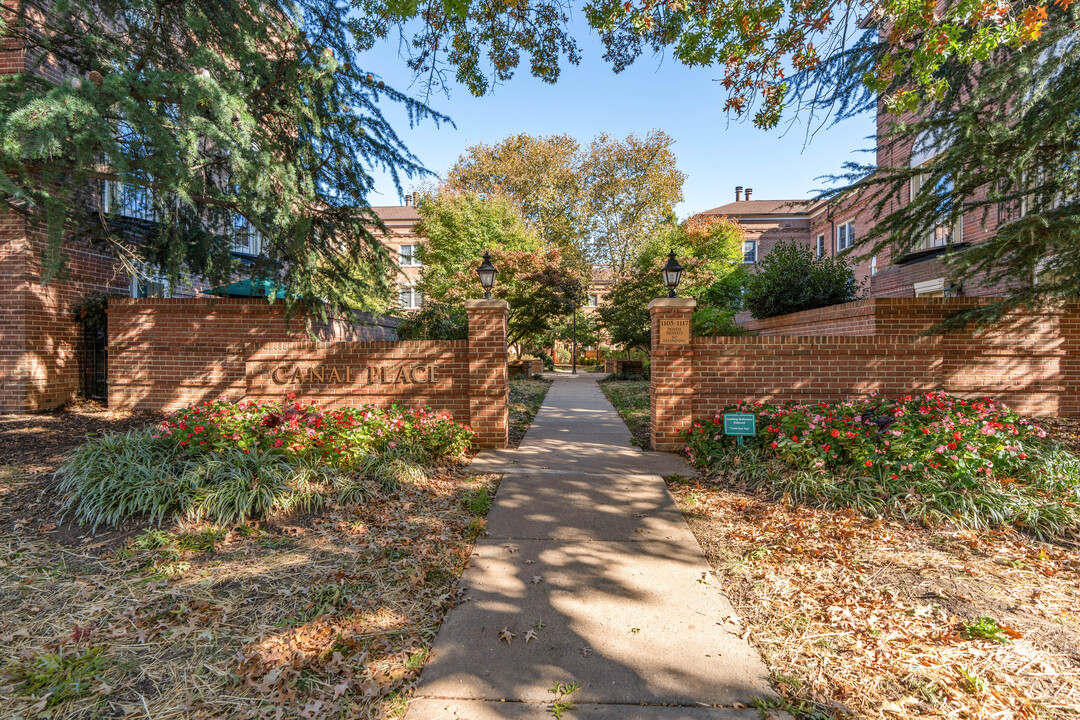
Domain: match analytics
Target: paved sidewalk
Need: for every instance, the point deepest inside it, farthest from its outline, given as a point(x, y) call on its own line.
point(590, 566)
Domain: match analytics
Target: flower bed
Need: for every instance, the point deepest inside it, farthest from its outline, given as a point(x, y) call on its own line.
point(339, 437)
point(933, 457)
point(228, 462)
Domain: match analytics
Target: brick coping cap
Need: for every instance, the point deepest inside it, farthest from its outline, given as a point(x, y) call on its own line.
point(673, 303)
point(487, 304)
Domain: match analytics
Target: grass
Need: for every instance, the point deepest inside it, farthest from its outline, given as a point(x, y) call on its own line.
point(57, 677)
point(631, 399)
point(526, 397)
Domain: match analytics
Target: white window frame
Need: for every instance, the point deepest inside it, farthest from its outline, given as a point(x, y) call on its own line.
point(752, 253)
point(413, 261)
point(935, 239)
point(873, 266)
point(848, 228)
point(415, 299)
point(820, 249)
point(592, 300)
point(148, 278)
point(930, 288)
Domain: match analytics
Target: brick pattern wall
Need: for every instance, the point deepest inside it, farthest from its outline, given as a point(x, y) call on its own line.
point(40, 340)
point(882, 316)
point(1031, 362)
point(167, 354)
point(671, 391)
point(489, 386)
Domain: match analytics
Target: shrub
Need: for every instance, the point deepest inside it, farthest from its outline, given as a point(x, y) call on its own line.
point(229, 462)
point(710, 322)
point(790, 279)
point(436, 322)
point(935, 458)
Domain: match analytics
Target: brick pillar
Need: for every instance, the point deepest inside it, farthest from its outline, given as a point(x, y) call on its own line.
point(671, 391)
point(1069, 332)
point(489, 386)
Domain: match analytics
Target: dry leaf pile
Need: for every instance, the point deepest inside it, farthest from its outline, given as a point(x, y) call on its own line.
point(864, 618)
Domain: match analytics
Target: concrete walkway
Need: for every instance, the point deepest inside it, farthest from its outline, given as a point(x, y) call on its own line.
point(589, 565)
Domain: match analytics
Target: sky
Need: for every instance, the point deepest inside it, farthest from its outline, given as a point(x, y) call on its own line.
point(715, 152)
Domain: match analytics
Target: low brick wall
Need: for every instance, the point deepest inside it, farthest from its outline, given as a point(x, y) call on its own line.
point(627, 367)
point(1031, 362)
point(526, 368)
point(168, 354)
point(876, 316)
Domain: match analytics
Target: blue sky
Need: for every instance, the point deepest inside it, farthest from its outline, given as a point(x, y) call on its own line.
point(715, 153)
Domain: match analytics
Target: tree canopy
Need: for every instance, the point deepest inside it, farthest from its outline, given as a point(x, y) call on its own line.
point(459, 227)
point(711, 252)
point(599, 205)
point(209, 118)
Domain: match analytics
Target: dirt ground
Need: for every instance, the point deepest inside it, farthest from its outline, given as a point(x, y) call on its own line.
point(325, 615)
point(867, 618)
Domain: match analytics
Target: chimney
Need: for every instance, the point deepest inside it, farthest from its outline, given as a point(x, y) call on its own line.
point(748, 191)
point(408, 200)
point(738, 193)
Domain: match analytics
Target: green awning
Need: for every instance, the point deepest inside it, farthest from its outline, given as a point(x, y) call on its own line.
point(245, 288)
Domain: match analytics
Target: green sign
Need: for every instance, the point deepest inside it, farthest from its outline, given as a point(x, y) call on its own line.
point(740, 424)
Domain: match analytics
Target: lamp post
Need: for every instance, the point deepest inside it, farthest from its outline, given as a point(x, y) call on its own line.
point(672, 273)
point(573, 359)
point(487, 273)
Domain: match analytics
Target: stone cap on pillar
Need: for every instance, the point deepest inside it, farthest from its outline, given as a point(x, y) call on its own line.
point(678, 303)
point(487, 304)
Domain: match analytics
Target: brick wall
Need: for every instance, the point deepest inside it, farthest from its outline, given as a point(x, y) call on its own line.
point(167, 354)
point(40, 339)
point(1031, 362)
point(881, 316)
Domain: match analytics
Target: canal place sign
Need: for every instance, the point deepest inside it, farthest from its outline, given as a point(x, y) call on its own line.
point(349, 375)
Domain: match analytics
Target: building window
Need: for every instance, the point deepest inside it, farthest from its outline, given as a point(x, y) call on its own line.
point(592, 301)
point(749, 251)
point(845, 235)
point(873, 265)
point(407, 256)
point(930, 288)
point(821, 245)
point(410, 298)
point(246, 238)
point(943, 233)
point(149, 286)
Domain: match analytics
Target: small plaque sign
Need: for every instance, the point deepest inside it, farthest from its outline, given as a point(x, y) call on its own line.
point(740, 424)
point(674, 331)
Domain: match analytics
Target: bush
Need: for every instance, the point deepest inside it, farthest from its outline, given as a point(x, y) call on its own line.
point(710, 322)
point(790, 279)
point(549, 362)
point(436, 322)
point(229, 462)
point(564, 356)
point(934, 458)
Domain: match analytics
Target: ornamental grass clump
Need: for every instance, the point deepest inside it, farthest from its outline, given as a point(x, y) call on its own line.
point(933, 458)
point(230, 462)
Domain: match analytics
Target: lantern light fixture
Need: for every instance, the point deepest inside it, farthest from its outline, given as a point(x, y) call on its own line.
point(672, 274)
point(487, 273)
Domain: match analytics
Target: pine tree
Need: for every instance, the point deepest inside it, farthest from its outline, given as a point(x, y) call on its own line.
point(214, 114)
point(1004, 136)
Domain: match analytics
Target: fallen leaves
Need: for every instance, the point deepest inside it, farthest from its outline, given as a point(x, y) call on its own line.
point(872, 618)
point(506, 636)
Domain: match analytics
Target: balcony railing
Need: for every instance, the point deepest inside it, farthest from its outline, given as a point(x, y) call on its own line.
point(134, 202)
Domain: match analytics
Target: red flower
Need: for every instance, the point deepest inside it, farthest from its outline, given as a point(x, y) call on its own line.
point(825, 447)
point(795, 438)
point(835, 433)
point(894, 476)
point(772, 445)
point(869, 463)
